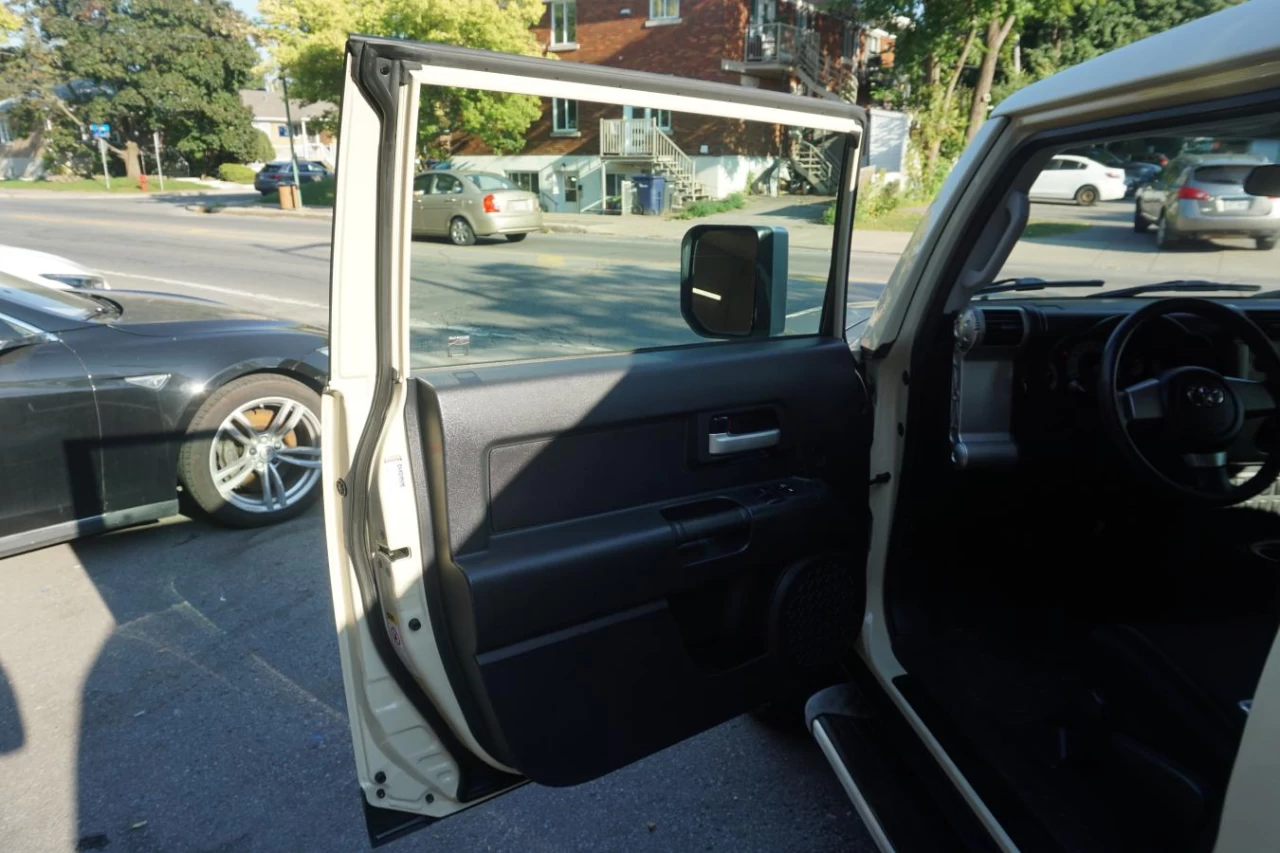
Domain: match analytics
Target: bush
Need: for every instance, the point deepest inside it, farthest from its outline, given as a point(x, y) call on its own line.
point(698, 209)
point(236, 173)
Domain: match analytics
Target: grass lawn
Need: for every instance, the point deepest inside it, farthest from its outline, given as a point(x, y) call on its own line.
point(897, 220)
point(122, 186)
point(314, 194)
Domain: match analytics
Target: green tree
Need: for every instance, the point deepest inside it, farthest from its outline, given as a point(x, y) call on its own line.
point(175, 66)
point(307, 38)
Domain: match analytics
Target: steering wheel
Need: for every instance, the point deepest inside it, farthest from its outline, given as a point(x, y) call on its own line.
point(1192, 411)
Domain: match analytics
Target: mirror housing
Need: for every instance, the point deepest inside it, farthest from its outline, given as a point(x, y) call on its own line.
point(733, 280)
point(1264, 181)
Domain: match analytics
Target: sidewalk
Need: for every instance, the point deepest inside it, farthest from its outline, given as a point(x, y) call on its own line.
point(804, 233)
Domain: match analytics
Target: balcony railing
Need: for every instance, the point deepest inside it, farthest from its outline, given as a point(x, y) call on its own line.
point(778, 44)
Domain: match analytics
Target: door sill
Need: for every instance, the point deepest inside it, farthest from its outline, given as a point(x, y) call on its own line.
point(903, 797)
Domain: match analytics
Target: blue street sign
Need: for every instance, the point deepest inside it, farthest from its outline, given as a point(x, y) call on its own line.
point(100, 131)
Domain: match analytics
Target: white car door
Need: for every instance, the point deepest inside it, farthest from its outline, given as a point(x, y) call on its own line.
point(554, 491)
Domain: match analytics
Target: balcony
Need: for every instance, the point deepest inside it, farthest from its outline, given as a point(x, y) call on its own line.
point(778, 48)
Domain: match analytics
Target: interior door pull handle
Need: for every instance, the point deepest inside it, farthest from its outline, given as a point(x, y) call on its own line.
point(721, 443)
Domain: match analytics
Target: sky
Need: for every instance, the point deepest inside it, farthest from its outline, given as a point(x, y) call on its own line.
point(249, 7)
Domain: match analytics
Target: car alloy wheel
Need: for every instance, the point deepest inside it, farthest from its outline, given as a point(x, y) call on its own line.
point(265, 455)
point(1087, 196)
point(460, 232)
point(252, 452)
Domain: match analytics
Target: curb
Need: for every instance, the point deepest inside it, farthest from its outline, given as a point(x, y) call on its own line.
point(243, 210)
point(80, 196)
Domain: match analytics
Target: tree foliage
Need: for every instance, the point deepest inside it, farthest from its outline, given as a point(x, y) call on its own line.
point(174, 66)
point(307, 38)
point(955, 57)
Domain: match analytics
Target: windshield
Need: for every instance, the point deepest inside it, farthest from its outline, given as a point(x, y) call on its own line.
point(491, 182)
point(1189, 226)
point(65, 304)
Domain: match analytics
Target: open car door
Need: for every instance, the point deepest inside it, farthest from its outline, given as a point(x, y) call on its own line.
point(587, 495)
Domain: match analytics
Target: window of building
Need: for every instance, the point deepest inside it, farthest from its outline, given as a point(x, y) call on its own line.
point(282, 130)
point(664, 10)
point(850, 41)
point(873, 44)
point(564, 115)
point(527, 181)
point(564, 23)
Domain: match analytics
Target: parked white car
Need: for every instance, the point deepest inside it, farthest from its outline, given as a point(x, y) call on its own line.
point(49, 270)
point(1072, 178)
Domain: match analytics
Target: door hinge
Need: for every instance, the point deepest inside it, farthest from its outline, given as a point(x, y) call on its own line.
point(881, 479)
point(393, 555)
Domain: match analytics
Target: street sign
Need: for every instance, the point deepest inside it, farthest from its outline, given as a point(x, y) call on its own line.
point(100, 131)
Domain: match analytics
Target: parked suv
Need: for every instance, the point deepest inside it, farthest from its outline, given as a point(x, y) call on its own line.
point(1202, 197)
point(272, 175)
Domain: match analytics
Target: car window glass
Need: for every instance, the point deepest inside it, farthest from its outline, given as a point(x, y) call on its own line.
point(593, 263)
point(489, 183)
point(1223, 174)
point(1117, 226)
point(422, 183)
point(446, 185)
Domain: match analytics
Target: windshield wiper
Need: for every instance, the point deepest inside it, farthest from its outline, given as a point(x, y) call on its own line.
point(1009, 285)
point(1184, 285)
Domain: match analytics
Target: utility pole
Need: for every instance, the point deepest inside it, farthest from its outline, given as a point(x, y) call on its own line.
point(293, 153)
point(155, 138)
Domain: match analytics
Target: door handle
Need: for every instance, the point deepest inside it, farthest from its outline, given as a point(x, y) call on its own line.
point(722, 443)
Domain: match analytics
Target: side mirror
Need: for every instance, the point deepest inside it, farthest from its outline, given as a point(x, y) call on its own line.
point(1264, 180)
point(733, 280)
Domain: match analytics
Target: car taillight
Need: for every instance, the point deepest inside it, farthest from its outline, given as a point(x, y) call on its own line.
point(1115, 174)
point(491, 204)
point(1193, 194)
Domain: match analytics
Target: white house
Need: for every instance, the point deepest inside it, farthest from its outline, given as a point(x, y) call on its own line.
point(269, 116)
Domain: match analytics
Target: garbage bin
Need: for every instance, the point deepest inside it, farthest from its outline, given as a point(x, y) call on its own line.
point(649, 190)
point(288, 196)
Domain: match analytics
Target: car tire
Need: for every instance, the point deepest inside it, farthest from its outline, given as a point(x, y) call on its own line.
point(1087, 195)
point(1140, 223)
point(1265, 244)
point(461, 232)
point(217, 438)
point(1166, 237)
point(516, 238)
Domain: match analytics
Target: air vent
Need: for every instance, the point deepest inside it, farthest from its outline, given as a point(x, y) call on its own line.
point(1003, 327)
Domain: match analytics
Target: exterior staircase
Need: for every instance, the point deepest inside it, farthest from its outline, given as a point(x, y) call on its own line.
point(812, 163)
point(640, 139)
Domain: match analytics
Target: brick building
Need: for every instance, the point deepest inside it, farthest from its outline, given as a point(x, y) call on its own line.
point(579, 156)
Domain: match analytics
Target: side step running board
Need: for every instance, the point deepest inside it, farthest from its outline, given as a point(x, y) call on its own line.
point(905, 800)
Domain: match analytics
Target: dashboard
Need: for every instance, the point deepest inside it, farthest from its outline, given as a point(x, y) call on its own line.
point(1025, 372)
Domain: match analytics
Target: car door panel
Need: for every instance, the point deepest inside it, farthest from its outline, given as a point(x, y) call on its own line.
point(623, 575)
point(540, 569)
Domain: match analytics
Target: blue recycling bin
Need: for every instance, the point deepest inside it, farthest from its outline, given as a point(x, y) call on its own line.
point(649, 192)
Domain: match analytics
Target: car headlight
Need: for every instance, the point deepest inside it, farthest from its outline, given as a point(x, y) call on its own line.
point(91, 282)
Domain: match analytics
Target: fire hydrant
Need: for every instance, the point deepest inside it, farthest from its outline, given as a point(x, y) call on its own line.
point(142, 182)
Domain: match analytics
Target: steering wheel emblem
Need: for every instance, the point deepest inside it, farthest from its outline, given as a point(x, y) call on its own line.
point(1205, 396)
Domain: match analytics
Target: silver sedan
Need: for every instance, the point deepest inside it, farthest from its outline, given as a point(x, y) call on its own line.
point(465, 205)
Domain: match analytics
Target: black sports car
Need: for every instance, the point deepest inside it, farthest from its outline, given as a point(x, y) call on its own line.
point(112, 403)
